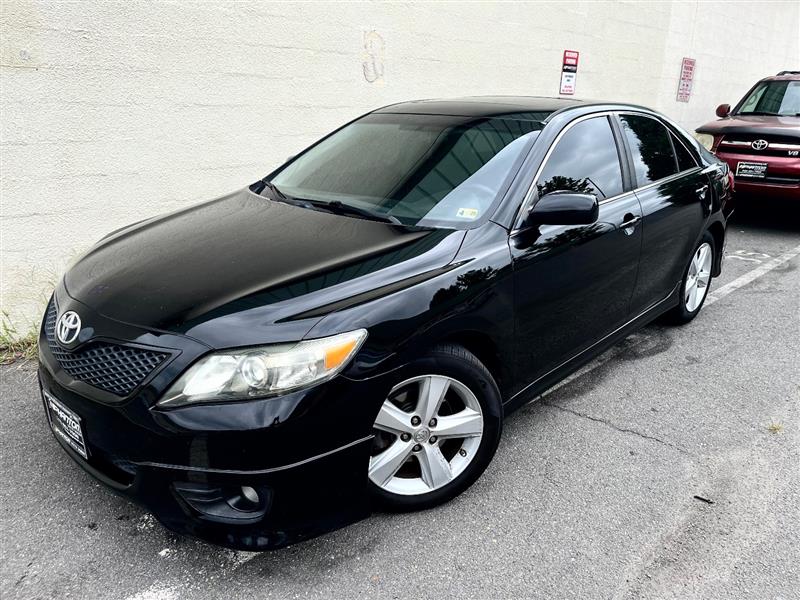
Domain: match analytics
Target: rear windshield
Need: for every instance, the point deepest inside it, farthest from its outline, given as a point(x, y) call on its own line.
point(773, 98)
point(433, 170)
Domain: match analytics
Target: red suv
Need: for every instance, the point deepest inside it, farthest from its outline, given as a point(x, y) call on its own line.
point(760, 137)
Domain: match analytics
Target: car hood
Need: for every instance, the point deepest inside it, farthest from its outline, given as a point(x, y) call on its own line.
point(753, 124)
point(227, 269)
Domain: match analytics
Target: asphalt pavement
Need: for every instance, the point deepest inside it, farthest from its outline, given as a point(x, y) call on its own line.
point(668, 469)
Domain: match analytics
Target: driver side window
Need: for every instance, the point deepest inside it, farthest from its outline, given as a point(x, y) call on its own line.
point(585, 161)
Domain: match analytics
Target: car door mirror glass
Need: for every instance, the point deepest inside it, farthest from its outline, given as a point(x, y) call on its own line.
point(564, 208)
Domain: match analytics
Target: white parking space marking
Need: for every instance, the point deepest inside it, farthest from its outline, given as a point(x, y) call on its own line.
point(748, 256)
point(751, 276)
point(157, 591)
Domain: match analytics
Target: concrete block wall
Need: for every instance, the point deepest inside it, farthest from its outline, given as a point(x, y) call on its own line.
point(111, 112)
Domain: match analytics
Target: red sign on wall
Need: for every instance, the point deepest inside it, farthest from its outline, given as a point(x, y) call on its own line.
point(687, 77)
point(571, 58)
point(569, 72)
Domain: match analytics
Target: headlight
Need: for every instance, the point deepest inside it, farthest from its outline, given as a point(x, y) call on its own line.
point(264, 371)
point(706, 139)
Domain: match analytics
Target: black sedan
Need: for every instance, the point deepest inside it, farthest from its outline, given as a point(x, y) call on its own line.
point(350, 331)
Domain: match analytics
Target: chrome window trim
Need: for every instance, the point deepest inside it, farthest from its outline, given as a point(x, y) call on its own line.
point(664, 180)
point(606, 113)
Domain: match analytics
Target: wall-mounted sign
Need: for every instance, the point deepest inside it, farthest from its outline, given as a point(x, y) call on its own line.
point(569, 72)
point(685, 83)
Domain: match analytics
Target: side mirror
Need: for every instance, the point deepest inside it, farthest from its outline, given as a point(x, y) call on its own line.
point(723, 110)
point(564, 208)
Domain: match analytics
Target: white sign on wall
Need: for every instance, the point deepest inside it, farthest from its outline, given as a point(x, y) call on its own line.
point(567, 83)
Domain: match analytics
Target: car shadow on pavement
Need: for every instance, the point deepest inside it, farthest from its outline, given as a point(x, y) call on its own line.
point(766, 213)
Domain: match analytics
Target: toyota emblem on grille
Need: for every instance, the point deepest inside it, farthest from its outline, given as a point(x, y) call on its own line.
point(759, 144)
point(68, 328)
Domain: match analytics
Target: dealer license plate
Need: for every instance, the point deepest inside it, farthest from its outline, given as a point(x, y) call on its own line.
point(751, 170)
point(65, 424)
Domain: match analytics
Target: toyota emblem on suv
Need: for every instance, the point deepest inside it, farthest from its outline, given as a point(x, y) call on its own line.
point(68, 328)
point(759, 144)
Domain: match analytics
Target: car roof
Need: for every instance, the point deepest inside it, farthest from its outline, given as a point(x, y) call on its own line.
point(784, 76)
point(483, 106)
point(535, 108)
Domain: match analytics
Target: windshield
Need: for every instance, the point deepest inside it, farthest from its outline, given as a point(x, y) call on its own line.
point(433, 170)
point(773, 98)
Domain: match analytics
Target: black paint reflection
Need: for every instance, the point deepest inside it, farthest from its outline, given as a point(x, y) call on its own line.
point(471, 281)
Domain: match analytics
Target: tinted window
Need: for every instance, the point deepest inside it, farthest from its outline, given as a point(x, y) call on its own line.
point(685, 160)
point(651, 148)
point(585, 160)
point(434, 169)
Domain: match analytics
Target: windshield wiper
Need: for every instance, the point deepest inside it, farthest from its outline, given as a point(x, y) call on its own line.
point(336, 206)
point(279, 195)
point(340, 208)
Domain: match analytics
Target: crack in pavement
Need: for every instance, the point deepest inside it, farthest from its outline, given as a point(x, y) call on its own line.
point(616, 427)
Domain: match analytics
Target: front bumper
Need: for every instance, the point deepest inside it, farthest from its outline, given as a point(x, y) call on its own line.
point(296, 500)
point(304, 455)
point(782, 181)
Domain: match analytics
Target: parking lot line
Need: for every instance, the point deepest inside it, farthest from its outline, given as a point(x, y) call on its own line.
point(751, 276)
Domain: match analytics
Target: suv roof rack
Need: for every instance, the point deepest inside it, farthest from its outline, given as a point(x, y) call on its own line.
point(788, 73)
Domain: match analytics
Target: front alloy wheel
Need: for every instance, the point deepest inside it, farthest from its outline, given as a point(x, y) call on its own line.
point(431, 427)
point(436, 431)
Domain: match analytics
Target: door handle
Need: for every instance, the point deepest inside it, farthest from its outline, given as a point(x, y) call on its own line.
point(630, 221)
point(701, 191)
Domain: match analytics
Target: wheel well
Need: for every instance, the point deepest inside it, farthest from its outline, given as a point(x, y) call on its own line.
point(484, 348)
point(717, 231)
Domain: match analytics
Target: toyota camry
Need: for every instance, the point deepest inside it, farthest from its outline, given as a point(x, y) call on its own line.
point(349, 332)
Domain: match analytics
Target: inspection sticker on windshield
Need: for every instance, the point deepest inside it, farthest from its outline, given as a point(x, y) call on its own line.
point(754, 170)
point(467, 213)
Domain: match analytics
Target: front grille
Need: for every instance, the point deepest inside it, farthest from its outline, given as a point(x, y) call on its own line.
point(779, 145)
point(109, 367)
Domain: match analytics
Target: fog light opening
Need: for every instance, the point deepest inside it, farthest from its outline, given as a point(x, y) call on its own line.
point(250, 494)
point(247, 499)
point(225, 503)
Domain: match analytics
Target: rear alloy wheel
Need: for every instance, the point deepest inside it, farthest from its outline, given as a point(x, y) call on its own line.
point(698, 277)
point(696, 282)
point(433, 435)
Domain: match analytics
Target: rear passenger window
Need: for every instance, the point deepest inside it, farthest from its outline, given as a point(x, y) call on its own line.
point(651, 148)
point(685, 159)
point(585, 160)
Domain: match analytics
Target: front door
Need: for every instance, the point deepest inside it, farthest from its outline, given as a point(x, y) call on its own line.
point(573, 283)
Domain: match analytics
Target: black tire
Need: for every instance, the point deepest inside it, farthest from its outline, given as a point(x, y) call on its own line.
point(680, 315)
point(458, 363)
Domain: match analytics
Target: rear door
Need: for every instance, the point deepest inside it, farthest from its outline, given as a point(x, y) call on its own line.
point(675, 199)
point(573, 283)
